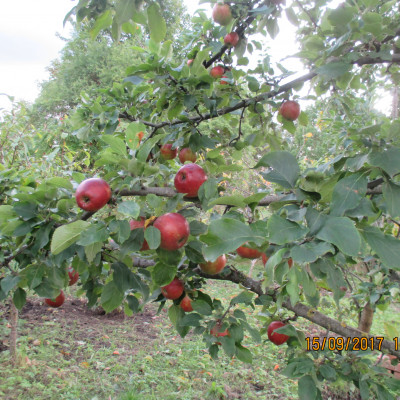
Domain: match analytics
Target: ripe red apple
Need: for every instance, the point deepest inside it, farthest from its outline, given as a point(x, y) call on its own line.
point(58, 301)
point(221, 14)
point(189, 178)
point(167, 152)
point(277, 338)
point(217, 72)
point(173, 290)
point(174, 230)
point(231, 39)
point(186, 304)
point(247, 252)
point(186, 154)
point(92, 194)
point(73, 276)
point(139, 224)
point(214, 267)
point(189, 62)
point(290, 262)
point(290, 110)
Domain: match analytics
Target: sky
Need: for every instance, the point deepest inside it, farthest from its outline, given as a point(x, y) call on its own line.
point(28, 43)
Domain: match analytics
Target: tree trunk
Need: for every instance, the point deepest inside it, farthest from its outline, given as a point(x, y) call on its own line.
point(14, 333)
point(366, 318)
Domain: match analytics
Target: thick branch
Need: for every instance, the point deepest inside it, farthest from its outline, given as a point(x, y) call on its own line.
point(233, 275)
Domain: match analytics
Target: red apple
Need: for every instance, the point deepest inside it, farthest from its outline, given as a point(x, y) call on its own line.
point(73, 276)
point(186, 304)
point(290, 110)
point(221, 14)
point(231, 39)
point(277, 338)
point(174, 230)
point(167, 152)
point(189, 62)
point(58, 301)
point(264, 258)
point(186, 154)
point(92, 194)
point(139, 224)
point(216, 331)
point(247, 252)
point(214, 267)
point(173, 290)
point(217, 72)
point(189, 178)
point(224, 81)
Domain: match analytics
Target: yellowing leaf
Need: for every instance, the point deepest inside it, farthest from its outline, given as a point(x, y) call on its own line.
point(309, 134)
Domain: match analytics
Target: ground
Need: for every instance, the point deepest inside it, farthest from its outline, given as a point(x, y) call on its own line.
point(78, 353)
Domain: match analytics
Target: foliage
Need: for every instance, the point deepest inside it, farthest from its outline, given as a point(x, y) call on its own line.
point(334, 218)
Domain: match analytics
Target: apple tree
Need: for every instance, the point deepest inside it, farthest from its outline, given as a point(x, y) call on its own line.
point(328, 230)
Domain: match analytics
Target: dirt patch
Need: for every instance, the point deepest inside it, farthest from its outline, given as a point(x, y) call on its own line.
point(88, 323)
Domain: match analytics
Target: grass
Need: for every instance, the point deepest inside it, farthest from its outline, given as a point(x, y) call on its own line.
point(135, 358)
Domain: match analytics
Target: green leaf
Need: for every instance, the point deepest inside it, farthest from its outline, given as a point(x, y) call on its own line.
point(124, 11)
point(328, 372)
point(197, 228)
point(146, 147)
point(228, 344)
point(334, 69)
point(341, 232)
point(291, 16)
point(348, 193)
point(235, 200)
point(157, 25)
point(202, 307)
point(364, 389)
point(129, 208)
point(310, 252)
point(162, 273)
point(176, 314)
point(385, 246)
point(96, 232)
point(9, 282)
point(225, 235)
point(282, 231)
point(66, 235)
point(284, 168)
point(111, 297)
point(388, 160)
point(19, 298)
point(391, 194)
point(307, 389)
point(191, 319)
point(190, 101)
point(131, 133)
point(153, 237)
point(102, 22)
point(120, 230)
point(244, 297)
point(341, 16)
point(117, 145)
point(25, 209)
point(92, 250)
point(60, 183)
point(243, 354)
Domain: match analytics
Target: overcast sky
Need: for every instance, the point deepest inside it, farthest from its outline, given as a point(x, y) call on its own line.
point(28, 43)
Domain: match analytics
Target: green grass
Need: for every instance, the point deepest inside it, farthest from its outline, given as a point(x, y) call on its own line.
point(76, 361)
